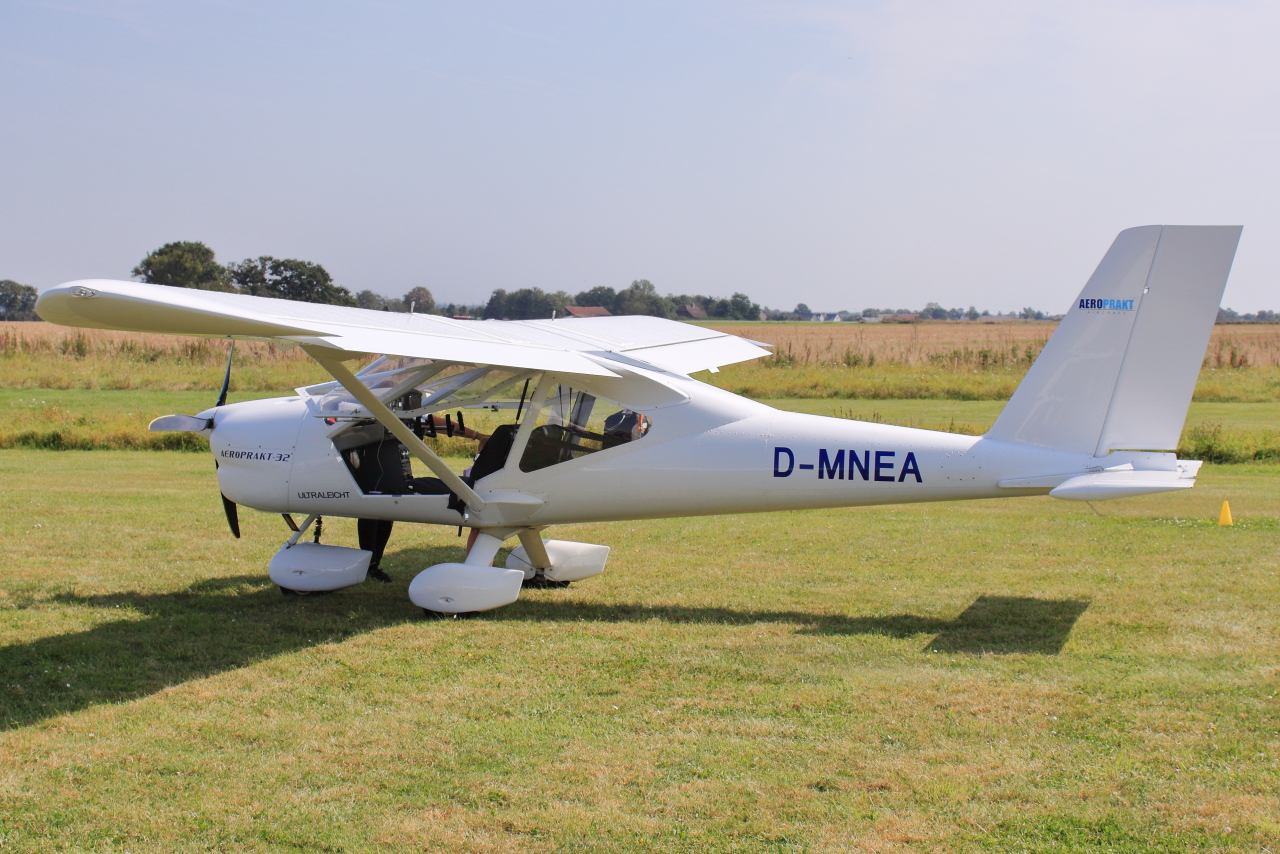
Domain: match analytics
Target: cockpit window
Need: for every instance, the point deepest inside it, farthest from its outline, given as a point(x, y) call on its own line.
point(418, 387)
point(573, 424)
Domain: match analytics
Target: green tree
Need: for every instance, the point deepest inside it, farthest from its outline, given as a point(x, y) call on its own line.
point(17, 301)
point(421, 300)
point(641, 297)
point(742, 308)
point(602, 296)
point(496, 308)
point(374, 302)
point(288, 278)
point(184, 264)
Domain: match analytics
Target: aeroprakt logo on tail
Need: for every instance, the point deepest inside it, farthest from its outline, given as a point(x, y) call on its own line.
point(1107, 304)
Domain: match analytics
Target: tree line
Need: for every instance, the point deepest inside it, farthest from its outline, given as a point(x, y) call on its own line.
point(640, 297)
point(192, 264)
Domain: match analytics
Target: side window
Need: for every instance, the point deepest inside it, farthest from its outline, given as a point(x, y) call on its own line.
point(573, 424)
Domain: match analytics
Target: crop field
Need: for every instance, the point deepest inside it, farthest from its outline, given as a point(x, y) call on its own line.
point(1024, 675)
point(960, 361)
point(941, 361)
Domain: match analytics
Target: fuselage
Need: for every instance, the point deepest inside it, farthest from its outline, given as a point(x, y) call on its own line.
point(708, 452)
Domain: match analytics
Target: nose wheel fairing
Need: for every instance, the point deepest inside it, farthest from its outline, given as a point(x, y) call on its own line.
point(315, 567)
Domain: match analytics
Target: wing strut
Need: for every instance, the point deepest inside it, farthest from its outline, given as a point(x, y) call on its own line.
point(388, 419)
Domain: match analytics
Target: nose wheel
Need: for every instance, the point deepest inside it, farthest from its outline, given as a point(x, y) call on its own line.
point(541, 582)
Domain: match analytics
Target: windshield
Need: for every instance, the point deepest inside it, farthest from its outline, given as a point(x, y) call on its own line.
point(573, 423)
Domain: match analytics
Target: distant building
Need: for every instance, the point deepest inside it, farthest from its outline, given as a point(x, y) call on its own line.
point(697, 312)
point(588, 311)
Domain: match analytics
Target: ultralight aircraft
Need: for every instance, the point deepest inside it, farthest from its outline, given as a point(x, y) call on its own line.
point(601, 420)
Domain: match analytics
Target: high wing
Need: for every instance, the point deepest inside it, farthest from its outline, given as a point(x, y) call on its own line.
point(573, 346)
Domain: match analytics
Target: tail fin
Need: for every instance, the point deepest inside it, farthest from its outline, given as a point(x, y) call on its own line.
point(1119, 371)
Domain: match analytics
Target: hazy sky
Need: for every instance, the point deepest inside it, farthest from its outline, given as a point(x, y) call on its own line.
point(845, 155)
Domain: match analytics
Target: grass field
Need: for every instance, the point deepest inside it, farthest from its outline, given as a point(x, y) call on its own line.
point(993, 676)
point(982, 676)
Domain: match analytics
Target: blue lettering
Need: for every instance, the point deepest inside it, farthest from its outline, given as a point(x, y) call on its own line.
point(1082, 303)
point(806, 467)
point(777, 457)
point(909, 466)
point(884, 466)
point(832, 469)
point(863, 465)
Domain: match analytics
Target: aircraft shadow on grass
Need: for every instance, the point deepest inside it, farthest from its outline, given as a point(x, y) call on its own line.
point(223, 624)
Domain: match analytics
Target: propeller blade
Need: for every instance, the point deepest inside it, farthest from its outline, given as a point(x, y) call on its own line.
point(226, 381)
point(233, 515)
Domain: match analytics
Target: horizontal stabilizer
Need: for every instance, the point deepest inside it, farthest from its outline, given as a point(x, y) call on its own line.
point(1105, 485)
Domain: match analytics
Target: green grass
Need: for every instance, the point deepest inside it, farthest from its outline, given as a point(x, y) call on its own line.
point(80, 419)
point(1018, 675)
point(106, 419)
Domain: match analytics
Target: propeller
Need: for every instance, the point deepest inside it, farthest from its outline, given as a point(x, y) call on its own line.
point(228, 506)
point(233, 516)
point(226, 379)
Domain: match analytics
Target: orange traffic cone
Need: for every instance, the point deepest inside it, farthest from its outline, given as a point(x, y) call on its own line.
point(1224, 518)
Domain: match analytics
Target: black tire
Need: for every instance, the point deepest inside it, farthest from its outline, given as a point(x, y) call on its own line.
point(441, 615)
point(539, 582)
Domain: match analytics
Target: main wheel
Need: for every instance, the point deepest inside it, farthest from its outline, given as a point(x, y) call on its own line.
point(541, 582)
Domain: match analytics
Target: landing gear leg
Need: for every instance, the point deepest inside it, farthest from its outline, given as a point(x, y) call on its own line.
point(535, 548)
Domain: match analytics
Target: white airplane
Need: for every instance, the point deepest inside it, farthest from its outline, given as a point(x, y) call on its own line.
point(606, 423)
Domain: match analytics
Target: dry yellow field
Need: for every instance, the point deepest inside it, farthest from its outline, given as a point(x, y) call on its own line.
point(955, 342)
point(947, 361)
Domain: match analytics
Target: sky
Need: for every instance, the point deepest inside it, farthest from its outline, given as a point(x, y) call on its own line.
point(845, 155)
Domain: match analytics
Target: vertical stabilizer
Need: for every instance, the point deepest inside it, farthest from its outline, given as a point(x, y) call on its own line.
point(1119, 371)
